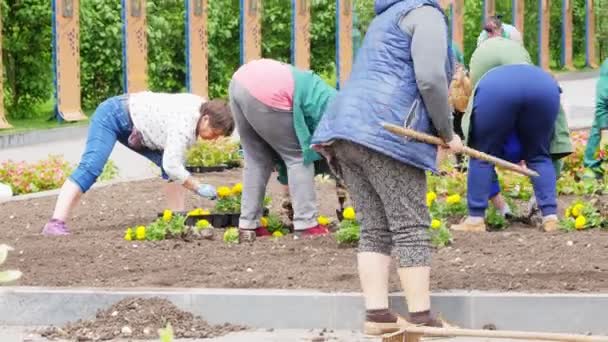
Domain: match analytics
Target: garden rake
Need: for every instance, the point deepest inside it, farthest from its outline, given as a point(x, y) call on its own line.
point(415, 334)
point(429, 139)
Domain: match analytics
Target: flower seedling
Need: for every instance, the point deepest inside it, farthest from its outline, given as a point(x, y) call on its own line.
point(228, 201)
point(169, 225)
point(264, 222)
point(440, 234)
point(231, 235)
point(140, 233)
point(167, 215)
point(349, 213)
point(275, 224)
point(435, 224)
point(323, 220)
point(495, 220)
point(198, 212)
point(157, 230)
point(430, 198)
point(217, 152)
point(8, 275)
point(580, 216)
point(202, 224)
point(349, 229)
point(237, 189)
point(129, 234)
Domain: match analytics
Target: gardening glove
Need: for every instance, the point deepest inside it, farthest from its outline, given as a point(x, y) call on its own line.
point(207, 191)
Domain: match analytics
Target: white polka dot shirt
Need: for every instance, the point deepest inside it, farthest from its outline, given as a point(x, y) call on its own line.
point(167, 123)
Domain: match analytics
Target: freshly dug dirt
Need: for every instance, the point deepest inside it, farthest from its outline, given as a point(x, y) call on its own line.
point(95, 255)
point(139, 318)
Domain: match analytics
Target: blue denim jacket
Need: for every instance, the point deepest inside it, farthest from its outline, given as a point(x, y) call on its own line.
point(382, 89)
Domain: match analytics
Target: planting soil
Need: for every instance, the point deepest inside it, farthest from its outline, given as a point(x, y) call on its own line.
point(139, 318)
point(519, 258)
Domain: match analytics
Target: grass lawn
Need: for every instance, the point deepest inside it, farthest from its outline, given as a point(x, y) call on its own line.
point(43, 120)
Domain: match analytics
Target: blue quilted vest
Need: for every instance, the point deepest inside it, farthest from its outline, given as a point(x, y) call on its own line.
point(382, 89)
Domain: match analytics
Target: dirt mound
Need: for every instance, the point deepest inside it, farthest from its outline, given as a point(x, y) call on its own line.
point(139, 318)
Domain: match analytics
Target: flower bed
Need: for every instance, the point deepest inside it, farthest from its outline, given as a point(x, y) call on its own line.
point(95, 255)
point(47, 174)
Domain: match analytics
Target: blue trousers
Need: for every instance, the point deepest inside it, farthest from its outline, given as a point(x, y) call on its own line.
point(514, 99)
point(110, 123)
point(511, 152)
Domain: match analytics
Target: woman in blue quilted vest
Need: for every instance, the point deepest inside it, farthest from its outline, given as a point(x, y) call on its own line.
point(400, 76)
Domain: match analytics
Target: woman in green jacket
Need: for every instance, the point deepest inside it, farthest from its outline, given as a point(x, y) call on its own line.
point(493, 53)
point(598, 137)
point(277, 108)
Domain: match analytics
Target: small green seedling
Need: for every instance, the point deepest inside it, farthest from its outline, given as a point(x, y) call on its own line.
point(166, 334)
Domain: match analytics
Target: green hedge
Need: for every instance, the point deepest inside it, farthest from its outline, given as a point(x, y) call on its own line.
point(27, 44)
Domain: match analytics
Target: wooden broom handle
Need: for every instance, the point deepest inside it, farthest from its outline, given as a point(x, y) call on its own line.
point(522, 335)
point(429, 139)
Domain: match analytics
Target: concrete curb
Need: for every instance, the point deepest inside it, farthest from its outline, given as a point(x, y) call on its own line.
point(42, 136)
point(292, 309)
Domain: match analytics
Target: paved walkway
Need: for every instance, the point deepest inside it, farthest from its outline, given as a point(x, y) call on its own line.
point(23, 334)
point(578, 99)
point(131, 165)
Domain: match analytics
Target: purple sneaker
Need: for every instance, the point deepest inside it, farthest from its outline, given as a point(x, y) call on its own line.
point(55, 227)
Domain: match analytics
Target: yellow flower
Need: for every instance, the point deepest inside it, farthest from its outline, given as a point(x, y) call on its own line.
point(453, 199)
point(129, 234)
point(167, 215)
point(223, 192)
point(277, 234)
point(580, 222)
point(577, 210)
point(198, 212)
point(140, 233)
point(194, 212)
point(264, 222)
point(349, 213)
point(568, 212)
point(430, 198)
point(202, 224)
point(237, 188)
point(435, 224)
point(323, 220)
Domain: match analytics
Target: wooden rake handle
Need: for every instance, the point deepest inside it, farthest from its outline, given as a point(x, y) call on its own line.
point(429, 139)
point(417, 332)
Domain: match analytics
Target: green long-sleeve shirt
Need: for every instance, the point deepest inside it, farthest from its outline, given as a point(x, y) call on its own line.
point(311, 95)
point(601, 97)
point(600, 121)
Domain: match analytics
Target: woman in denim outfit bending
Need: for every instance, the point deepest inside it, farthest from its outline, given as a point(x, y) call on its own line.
point(159, 126)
